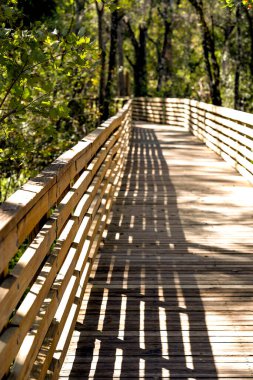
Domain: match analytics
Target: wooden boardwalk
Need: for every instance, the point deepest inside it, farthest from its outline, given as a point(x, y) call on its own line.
point(171, 294)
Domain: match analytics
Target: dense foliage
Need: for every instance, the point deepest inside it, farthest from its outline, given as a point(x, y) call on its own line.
point(63, 62)
point(47, 64)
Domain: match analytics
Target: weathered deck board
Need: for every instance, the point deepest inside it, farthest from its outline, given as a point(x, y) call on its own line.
point(171, 294)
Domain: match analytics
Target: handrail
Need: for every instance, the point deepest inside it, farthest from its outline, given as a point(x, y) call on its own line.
point(227, 132)
point(61, 216)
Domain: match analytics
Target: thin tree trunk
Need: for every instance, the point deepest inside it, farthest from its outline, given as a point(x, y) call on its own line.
point(166, 57)
point(112, 59)
point(237, 100)
point(250, 23)
point(140, 60)
point(141, 81)
point(211, 63)
point(164, 69)
point(121, 76)
point(102, 48)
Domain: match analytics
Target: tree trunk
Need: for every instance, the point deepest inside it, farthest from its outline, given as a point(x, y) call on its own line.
point(102, 48)
point(121, 75)
point(237, 100)
point(211, 63)
point(140, 67)
point(164, 69)
point(112, 60)
point(140, 60)
point(250, 23)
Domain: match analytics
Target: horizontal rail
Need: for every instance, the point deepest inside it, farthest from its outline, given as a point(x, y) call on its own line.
point(60, 216)
point(226, 131)
point(58, 219)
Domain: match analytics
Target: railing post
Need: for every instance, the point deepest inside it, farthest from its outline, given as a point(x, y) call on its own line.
point(43, 292)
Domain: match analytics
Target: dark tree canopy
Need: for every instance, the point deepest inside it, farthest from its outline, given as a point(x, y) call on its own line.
point(36, 10)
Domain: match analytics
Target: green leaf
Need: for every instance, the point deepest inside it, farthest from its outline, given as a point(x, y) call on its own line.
point(26, 93)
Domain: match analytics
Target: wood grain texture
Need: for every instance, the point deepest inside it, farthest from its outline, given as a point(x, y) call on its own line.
point(42, 290)
point(227, 132)
point(170, 294)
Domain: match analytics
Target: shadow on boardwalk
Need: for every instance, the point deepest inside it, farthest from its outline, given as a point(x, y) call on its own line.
point(143, 317)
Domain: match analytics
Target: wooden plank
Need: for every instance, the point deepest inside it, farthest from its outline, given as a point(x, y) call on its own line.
point(35, 312)
point(47, 349)
point(63, 343)
point(235, 127)
point(227, 113)
point(160, 116)
point(203, 295)
point(234, 139)
point(29, 308)
point(165, 118)
point(158, 120)
point(20, 279)
point(86, 200)
point(158, 106)
point(159, 100)
point(18, 204)
point(191, 282)
point(216, 142)
point(45, 189)
point(16, 284)
point(21, 202)
point(93, 233)
point(8, 348)
point(51, 340)
point(160, 111)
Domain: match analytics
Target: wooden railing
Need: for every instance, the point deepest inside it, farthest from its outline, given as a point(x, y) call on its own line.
point(58, 220)
point(227, 132)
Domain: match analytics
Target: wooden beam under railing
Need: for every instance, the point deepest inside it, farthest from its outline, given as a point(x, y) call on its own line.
point(67, 205)
point(226, 131)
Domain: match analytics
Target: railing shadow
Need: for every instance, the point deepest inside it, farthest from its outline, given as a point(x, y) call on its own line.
point(144, 305)
point(154, 336)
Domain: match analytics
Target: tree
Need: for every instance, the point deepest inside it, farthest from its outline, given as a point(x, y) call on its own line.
point(209, 54)
point(55, 64)
point(139, 65)
point(249, 17)
point(139, 43)
point(163, 44)
point(122, 74)
point(112, 65)
point(44, 67)
point(100, 7)
point(237, 100)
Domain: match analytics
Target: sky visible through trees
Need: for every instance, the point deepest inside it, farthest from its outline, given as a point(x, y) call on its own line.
point(63, 62)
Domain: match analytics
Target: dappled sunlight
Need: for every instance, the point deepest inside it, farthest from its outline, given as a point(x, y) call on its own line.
point(165, 373)
point(122, 320)
point(171, 293)
point(125, 275)
point(142, 325)
point(163, 332)
point(103, 310)
point(242, 193)
point(161, 294)
point(95, 358)
point(142, 369)
point(110, 272)
point(118, 363)
point(185, 326)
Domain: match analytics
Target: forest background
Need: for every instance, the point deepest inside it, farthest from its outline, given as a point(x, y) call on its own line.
point(63, 63)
